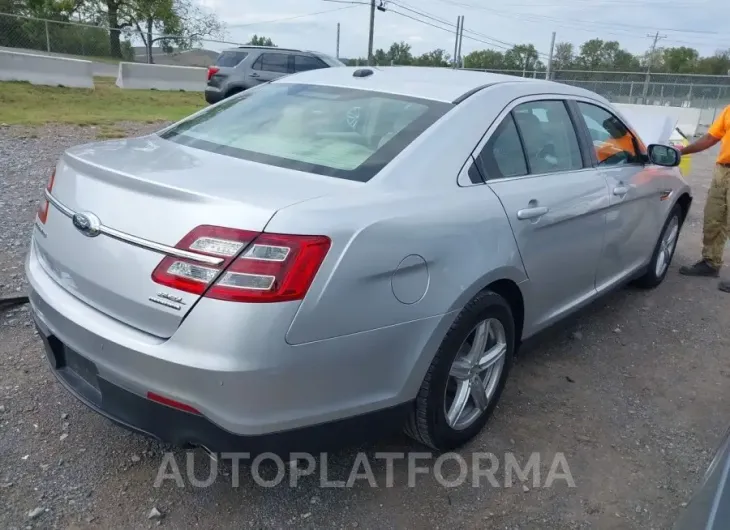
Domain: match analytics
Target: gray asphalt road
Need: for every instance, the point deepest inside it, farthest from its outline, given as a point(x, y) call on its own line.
point(633, 392)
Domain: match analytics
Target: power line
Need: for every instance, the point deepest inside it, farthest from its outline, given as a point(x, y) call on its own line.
point(605, 3)
point(493, 42)
point(591, 27)
point(579, 25)
point(582, 22)
point(478, 37)
point(502, 44)
point(450, 29)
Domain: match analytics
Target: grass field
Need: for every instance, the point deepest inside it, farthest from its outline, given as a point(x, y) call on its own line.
point(26, 104)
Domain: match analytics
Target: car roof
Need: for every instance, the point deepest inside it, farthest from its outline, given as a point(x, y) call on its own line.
point(440, 84)
point(253, 47)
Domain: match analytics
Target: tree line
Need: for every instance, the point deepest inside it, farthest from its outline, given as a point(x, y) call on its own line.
point(593, 55)
point(167, 24)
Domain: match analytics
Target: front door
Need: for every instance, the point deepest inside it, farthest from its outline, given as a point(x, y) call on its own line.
point(555, 201)
point(634, 219)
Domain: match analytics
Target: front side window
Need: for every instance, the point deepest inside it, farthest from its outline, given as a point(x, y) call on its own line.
point(549, 137)
point(613, 142)
point(338, 132)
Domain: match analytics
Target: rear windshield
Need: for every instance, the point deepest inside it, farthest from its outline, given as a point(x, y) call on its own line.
point(230, 58)
point(338, 132)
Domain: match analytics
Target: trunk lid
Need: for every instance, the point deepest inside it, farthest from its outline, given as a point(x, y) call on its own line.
point(153, 192)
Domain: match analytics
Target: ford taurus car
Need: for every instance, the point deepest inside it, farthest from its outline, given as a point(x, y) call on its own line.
point(340, 252)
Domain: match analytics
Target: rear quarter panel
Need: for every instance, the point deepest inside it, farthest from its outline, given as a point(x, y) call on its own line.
point(399, 257)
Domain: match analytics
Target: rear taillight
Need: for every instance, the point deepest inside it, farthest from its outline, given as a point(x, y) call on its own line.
point(43, 208)
point(212, 70)
point(272, 268)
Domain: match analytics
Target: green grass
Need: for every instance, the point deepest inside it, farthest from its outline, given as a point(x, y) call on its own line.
point(26, 104)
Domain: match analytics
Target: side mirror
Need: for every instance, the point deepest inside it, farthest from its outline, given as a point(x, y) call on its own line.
point(663, 155)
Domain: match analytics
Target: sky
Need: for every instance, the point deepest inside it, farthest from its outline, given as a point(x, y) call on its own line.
point(701, 24)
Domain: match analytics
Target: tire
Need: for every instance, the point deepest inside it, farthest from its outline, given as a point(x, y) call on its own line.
point(428, 423)
point(655, 274)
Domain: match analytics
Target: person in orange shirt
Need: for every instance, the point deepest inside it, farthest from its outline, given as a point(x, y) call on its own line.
point(717, 212)
point(620, 142)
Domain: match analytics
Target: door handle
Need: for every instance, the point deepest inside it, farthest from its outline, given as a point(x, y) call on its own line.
point(532, 213)
point(254, 74)
point(620, 191)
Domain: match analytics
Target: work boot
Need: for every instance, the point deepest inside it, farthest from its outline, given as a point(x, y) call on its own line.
point(724, 286)
point(701, 268)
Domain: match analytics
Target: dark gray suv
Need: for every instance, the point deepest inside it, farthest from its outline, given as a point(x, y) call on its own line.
point(238, 69)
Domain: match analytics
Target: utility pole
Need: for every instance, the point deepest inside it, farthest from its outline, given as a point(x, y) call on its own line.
point(456, 41)
point(371, 59)
point(549, 72)
point(461, 39)
point(337, 48)
point(649, 60)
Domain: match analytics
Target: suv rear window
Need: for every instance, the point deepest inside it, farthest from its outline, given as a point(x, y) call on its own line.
point(230, 59)
point(333, 131)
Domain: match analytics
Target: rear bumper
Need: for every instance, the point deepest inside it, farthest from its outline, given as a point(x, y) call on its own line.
point(242, 376)
point(187, 429)
point(213, 95)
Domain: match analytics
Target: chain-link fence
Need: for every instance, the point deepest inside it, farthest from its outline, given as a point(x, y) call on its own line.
point(677, 90)
point(711, 93)
point(100, 42)
point(67, 38)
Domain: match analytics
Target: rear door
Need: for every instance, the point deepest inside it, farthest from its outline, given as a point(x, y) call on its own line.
point(555, 201)
point(269, 66)
point(635, 217)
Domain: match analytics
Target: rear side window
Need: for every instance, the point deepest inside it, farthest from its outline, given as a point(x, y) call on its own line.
point(302, 63)
point(549, 137)
point(338, 132)
point(272, 62)
point(230, 59)
point(503, 156)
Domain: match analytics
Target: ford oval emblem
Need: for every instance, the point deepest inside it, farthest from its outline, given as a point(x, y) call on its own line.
point(87, 223)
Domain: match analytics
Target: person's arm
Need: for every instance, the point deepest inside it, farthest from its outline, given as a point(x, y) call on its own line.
point(700, 145)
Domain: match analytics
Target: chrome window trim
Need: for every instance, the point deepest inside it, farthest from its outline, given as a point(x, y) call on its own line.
point(138, 241)
point(509, 108)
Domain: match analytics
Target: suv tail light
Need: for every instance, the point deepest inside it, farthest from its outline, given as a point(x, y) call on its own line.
point(43, 208)
point(212, 70)
point(272, 268)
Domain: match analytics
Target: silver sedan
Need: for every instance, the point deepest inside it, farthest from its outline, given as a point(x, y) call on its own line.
point(341, 251)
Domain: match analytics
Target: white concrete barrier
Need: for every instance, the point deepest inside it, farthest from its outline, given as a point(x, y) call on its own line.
point(159, 77)
point(687, 118)
point(45, 70)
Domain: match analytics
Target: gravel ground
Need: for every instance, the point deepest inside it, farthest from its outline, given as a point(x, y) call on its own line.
point(633, 392)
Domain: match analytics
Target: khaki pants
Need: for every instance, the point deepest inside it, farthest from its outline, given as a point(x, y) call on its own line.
point(715, 231)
